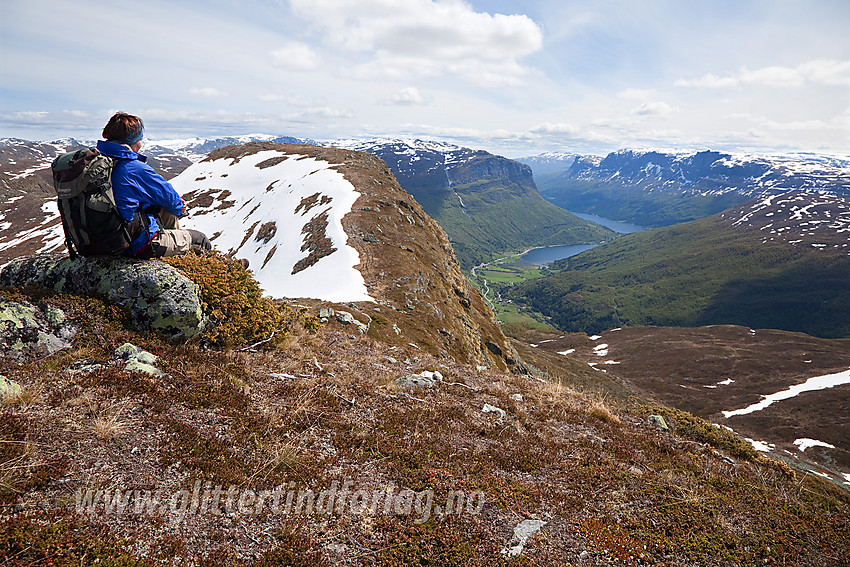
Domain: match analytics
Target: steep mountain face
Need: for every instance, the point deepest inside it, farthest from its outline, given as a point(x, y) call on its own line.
point(487, 204)
point(779, 262)
point(324, 224)
point(653, 188)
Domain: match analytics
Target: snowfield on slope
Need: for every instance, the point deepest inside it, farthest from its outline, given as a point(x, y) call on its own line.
point(812, 384)
point(284, 214)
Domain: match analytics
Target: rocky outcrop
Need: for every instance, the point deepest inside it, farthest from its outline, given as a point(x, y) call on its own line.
point(138, 360)
point(418, 294)
point(159, 298)
point(27, 329)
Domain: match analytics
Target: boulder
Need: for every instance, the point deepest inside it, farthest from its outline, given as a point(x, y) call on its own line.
point(425, 379)
point(493, 409)
point(27, 329)
point(138, 360)
point(158, 296)
point(347, 318)
point(658, 421)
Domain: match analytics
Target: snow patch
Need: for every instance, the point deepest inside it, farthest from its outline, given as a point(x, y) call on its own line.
point(804, 443)
point(762, 446)
point(812, 384)
point(275, 196)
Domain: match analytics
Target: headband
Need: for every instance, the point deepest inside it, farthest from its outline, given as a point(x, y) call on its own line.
point(132, 139)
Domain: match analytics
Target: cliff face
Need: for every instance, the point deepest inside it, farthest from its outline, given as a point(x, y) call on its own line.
point(486, 203)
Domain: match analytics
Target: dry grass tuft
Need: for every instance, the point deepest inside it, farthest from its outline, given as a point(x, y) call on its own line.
point(600, 409)
point(109, 425)
point(285, 456)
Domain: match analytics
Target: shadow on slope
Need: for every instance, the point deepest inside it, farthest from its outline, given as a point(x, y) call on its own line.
point(811, 297)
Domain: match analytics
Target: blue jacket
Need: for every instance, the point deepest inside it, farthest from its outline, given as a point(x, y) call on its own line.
point(137, 186)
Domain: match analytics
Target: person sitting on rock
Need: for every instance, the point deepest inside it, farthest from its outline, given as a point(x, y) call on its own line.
point(138, 189)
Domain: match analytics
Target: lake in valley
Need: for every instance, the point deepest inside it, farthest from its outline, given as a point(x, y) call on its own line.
point(549, 254)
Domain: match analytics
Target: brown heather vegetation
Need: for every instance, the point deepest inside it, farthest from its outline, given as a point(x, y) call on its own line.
point(320, 404)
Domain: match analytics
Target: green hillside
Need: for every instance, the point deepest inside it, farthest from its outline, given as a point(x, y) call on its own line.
point(698, 273)
point(486, 227)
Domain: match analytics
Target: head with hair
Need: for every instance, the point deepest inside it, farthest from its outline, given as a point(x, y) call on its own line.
point(124, 128)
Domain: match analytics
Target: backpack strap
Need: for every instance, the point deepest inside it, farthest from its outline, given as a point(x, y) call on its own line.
point(69, 241)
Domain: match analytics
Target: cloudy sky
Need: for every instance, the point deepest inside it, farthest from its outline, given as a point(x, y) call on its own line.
point(516, 78)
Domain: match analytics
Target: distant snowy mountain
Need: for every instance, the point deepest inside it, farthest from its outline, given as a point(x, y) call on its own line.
point(26, 162)
point(197, 148)
point(654, 188)
point(549, 163)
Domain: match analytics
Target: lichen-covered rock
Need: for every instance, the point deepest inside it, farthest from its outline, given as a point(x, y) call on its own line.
point(27, 329)
point(425, 379)
point(157, 295)
point(8, 388)
point(138, 360)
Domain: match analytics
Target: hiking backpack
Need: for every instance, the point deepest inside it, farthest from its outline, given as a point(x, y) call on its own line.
point(93, 227)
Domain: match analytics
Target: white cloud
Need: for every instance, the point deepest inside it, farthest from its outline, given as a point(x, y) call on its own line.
point(814, 125)
point(295, 100)
point(773, 77)
point(296, 56)
point(709, 81)
point(827, 71)
point(559, 128)
point(658, 108)
point(206, 91)
point(418, 38)
point(405, 97)
point(29, 115)
point(818, 71)
point(321, 112)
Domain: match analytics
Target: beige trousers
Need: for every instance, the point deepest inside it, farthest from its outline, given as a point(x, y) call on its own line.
point(175, 240)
